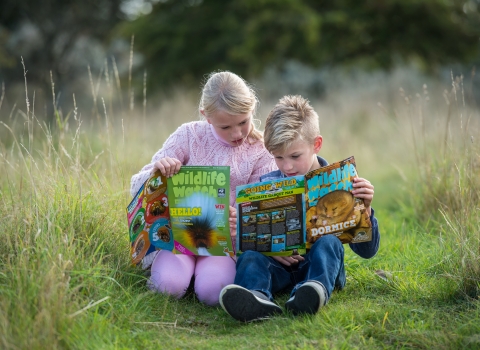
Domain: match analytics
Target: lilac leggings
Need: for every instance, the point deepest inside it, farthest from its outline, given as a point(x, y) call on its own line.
point(171, 274)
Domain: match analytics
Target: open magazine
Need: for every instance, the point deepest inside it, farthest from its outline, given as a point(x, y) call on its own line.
point(186, 214)
point(271, 217)
point(286, 216)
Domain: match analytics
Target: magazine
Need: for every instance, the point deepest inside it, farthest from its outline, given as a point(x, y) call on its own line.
point(186, 214)
point(286, 216)
point(271, 217)
point(331, 208)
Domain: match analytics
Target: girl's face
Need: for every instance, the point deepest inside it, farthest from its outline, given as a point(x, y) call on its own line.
point(233, 129)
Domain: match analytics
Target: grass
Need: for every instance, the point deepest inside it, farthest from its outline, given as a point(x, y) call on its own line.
point(65, 276)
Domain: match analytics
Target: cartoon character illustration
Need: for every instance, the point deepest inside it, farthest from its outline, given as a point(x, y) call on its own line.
point(228, 252)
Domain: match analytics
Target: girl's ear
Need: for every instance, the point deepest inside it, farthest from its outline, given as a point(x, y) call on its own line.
point(202, 111)
point(317, 143)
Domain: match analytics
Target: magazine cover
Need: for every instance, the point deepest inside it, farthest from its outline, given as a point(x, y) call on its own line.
point(270, 217)
point(331, 208)
point(186, 214)
point(149, 221)
point(199, 198)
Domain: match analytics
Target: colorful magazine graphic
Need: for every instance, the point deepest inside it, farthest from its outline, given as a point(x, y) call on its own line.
point(199, 199)
point(331, 208)
point(270, 217)
point(186, 214)
point(286, 216)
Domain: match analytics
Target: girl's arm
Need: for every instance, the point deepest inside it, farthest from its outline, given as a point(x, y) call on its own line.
point(167, 166)
point(265, 164)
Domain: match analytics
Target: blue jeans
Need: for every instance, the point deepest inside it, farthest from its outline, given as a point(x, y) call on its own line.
point(323, 263)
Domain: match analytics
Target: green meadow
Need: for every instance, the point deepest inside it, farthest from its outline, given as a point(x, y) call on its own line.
point(66, 281)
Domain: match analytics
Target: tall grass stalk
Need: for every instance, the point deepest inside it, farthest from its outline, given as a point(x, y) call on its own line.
point(131, 95)
point(448, 191)
point(63, 240)
point(65, 274)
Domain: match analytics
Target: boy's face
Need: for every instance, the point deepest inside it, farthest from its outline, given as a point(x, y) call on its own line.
point(299, 158)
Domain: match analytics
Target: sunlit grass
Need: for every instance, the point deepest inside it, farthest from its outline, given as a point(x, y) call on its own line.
point(65, 274)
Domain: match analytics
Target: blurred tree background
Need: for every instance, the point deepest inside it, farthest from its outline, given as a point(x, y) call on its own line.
point(178, 42)
point(183, 39)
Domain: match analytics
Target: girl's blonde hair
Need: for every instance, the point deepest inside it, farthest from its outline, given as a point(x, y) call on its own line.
point(228, 92)
point(291, 119)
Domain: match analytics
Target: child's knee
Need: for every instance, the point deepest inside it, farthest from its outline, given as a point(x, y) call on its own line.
point(208, 296)
point(249, 258)
point(208, 291)
point(329, 239)
point(328, 242)
point(171, 285)
point(171, 274)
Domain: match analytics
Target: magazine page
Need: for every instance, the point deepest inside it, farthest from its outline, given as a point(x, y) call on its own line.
point(198, 198)
point(271, 216)
point(331, 208)
point(149, 221)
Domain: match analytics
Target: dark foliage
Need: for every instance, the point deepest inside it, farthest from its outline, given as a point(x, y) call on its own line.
point(183, 40)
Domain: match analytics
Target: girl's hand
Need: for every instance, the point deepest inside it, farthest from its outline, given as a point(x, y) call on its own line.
point(289, 260)
point(167, 166)
point(232, 220)
point(363, 189)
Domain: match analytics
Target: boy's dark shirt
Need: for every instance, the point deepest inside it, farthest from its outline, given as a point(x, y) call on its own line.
point(365, 249)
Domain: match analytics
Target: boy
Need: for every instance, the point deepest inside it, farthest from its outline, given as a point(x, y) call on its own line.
point(292, 135)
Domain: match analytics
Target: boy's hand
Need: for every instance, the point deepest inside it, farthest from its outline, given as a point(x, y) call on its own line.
point(167, 166)
point(289, 260)
point(232, 220)
point(363, 189)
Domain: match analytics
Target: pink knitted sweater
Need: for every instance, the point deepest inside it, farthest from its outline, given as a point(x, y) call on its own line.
point(194, 144)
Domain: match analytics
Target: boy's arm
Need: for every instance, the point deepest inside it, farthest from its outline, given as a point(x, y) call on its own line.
point(368, 250)
point(289, 260)
point(362, 188)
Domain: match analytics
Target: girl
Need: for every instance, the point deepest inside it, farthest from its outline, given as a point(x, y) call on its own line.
point(225, 136)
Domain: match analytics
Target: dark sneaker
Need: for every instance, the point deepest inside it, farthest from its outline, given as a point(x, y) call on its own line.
point(308, 299)
point(247, 305)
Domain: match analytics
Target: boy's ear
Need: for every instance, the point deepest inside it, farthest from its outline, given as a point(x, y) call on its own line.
point(317, 143)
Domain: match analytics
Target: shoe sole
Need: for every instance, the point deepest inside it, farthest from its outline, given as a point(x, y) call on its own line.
point(306, 301)
point(243, 306)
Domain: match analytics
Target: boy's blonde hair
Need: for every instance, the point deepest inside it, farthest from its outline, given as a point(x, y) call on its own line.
point(291, 119)
point(228, 92)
